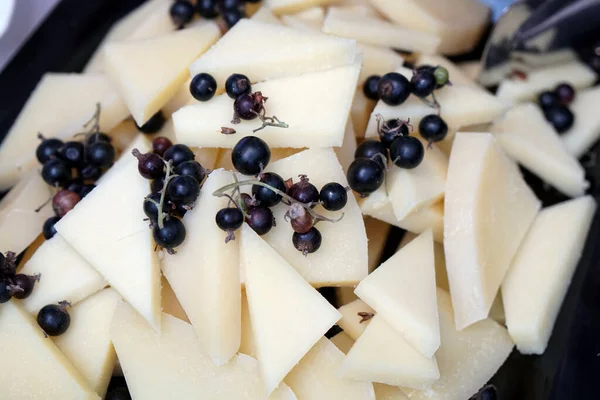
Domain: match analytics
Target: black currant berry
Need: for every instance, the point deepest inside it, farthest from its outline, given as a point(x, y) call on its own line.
point(207, 8)
point(86, 189)
point(48, 229)
point(266, 196)
point(308, 242)
point(154, 124)
point(407, 152)
point(182, 12)
point(560, 117)
point(54, 319)
point(183, 189)
point(565, 93)
point(391, 130)
point(150, 165)
point(393, 88)
point(5, 292)
point(25, 283)
point(246, 107)
point(191, 168)
point(171, 235)
point(233, 16)
point(370, 87)
point(333, 196)
point(74, 185)
point(100, 154)
point(157, 184)
point(250, 155)
point(160, 145)
point(422, 83)
point(97, 137)
point(151, 206)
point(47, 149)
point(56, 172)
point(179, 153)
point(300, 219)
point(64, 201)
point(304, 191)
point(236, 85)
point(203, 87)
point(374, 150)
point(229, 219)
point(548, 99)
point(433, 128)
point(260, 219)
point(91, 172)
point(365, 176)
point(225, 5)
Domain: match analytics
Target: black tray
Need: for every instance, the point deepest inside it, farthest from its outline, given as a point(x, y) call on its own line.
point(570, 367)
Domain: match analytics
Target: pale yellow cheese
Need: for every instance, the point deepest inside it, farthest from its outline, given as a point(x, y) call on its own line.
point(315, 376)
point(247, 344)
point(23, 212)
point(343, 342)
point(378, 61)
point(530, 140)
point(117, 241)
point(147, 85)
point(381, 355)
point(170, 304)
point(33, 368)
point(87, 342)
point(291, 52)
point(541, 272)
point(456, 75)
point(223, 159)
point(30, 251)
point(58, 107)
point(459, 23)
point(64, 275)
point(294, 6)
point(294, 22)
point(313, 120)
point(467, 359)
point(488, 210)
point(402, 292)
point(576, 73)
point(314, 15)
point(265, 15)
point(345, 153)
point(123, 135)
point(360, 112)
point(352, 323)
point(286, 329)
point(357, 10)
point(373, 31)
point(586, 129)
point(441, 276)
point(497, 312)
point(342, 258)
point(174, 365)
point(205, 271)
point(471, 69)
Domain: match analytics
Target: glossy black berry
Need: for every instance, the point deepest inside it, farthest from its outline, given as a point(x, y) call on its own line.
point(182, 12)
point(160, 145)
point(191, 168)
point(97, 137)
point(91, 172)
point(56, 172)
point(150, 206)
point(64, 201)
point(225, 5)
point(250, 155)
point(246, 107)
point(118, 393)
point(150, 165)
point(391, 130)
point(74, 185)
point(54, 319)
point(179, 153)
point(333, 196)
point(203, 87)
point(407, 152)
point(2, 261)
point(565, 93)
point(25, 283)
point(308, 242)
point(560, 117)
point(422, 83)
point(266, 196)
point(365, 176)
point(48, 229)
point(548, 99)
point(233, 16)
point(260, 219)
point(47, 149)
point(488, 392)
point(393, 89)
point(236, 85)
point(433, 128)
point(100, 154)
point(157, 184)
point(229, 219)
point(304, 191)
point(370, 87)
point(171, 235)
point(183, 189)
point(372, 149)
point(5, 293)
point(207, 8)
point(86, 189)
point(154, 124)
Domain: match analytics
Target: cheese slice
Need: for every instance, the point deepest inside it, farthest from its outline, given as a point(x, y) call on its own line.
point(147, 85)
point(33, 367)
point(488, 210)
point(351, 322)
point(313, 15)
point(177, 366)
point(378, 61)
point(123, 135)
point(58, 107)
point(294, 6)
point(541, 272)
point(23, 212)
point(377, 32)
point(30, 251)
point(205, 271)
point(360, 112)
point(467, 359)
point(412, 190)
point(315, 376)
point(291, 52)
point(530, 140)
point(459, 23)
point(586, 129)
point(471, 69)
point(456, 75)
point(358, 9)
point(87, 342)
point(342, 259)
point(266, 16)
point(441, 276)
point(402, 292)
point(345, 153)
point(373, 359)
point(315, 121)
point(286, 329)
point(300, 24)
point(170, 304)
point(64, 275)
point(576, 73)
point(343, 342)
point(116, 241)
point(247, 344)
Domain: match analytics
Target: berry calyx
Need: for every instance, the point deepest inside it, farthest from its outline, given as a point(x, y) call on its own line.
point(250, 155)
point(433, 128)
point(266, 196)
point(365, 176)
point(54, 319)
point(47, 149)
point(203, 87)
point(48, 229)
point(333, 196)
point(150, 165)
point(370, 87)
point(308, 242)
point(154, 124)
point(304, 191)
point(245, 107)
point(407, 152)
point(22, 285)
point(393, 89)
point(179, 153)
point(160, 145)
point(64, 201)
point(391, 129)
point(229, 219)
point(300, 220)
point(237, 85)
point(170, 235)
point(260, 219)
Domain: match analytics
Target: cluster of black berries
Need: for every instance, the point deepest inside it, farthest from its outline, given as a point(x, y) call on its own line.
point(176, 181)
point(182, 11)
point(249, 157)
point(366, 174)
point(73, 167)
point(394, 88)
point(555, 104)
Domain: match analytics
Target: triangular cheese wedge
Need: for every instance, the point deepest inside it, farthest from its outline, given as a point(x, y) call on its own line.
point(378, 61)
point(315, 121)
point(541, 272)
point(402, 292)
point(441, 276)
point(294, 6)
point(342, 259)
point(488, 210)
point(87, 342)
point(356, 316)
point(314, 15)
point(170, 304)
point(146, 84)
point(205, 270)
point(286, 329)
point(59, 107)
point(116, 240)
point(23, 212)
point(265, 15)
point(247, 345)
point(530, 140)
point(586, 128)
point(64, 275)
point(176, 365)
point(360, 112)
point(343, 342)
point(315, 376)
point(381, 355)
point(265, 51)
point(33, 367)
point(345, 153)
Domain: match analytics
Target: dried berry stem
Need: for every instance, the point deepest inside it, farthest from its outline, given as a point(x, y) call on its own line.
point(385, 170)
point(270, 121)
point(163, 192)
point(95, 120)
point(365, 316)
